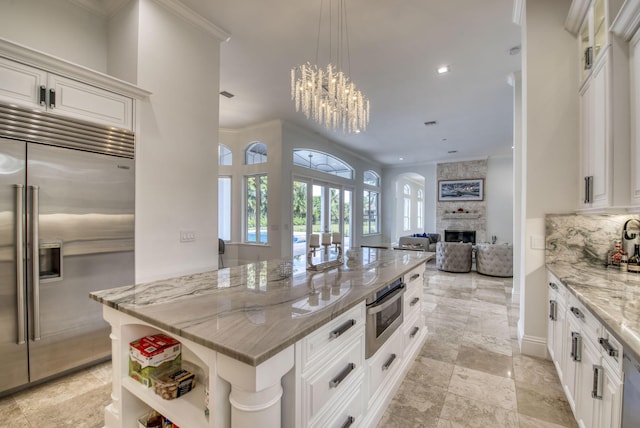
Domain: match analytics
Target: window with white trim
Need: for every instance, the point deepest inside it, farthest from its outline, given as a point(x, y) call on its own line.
point(406, 223)
point(256, 218)
point(225, 157)
point(256, 153)
point(371, 203)
point(224, 208)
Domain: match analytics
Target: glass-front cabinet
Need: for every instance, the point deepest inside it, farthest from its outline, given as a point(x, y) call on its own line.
point(599, 27)
point(592, 39)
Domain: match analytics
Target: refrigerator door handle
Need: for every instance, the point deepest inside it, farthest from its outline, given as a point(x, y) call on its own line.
point(35, 260)
point(20, 262)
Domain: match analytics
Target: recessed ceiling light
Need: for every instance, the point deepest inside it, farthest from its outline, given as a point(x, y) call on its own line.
point(227, 94)
point(443, 69)
point(444, 139)
point(452, 152)
point(401, 158)
point(357, 131)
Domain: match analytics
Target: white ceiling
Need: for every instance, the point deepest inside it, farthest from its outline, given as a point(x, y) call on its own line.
point(395, 48)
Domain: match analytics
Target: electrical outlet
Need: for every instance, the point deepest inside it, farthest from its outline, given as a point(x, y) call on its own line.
point(187, 236)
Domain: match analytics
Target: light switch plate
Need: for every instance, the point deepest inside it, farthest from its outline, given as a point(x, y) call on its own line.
point(537, 242)
point(187, 236)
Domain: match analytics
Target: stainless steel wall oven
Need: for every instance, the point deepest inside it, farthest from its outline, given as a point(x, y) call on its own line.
point(384, 315)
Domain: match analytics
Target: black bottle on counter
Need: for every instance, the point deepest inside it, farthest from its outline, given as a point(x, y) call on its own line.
point(634, 261)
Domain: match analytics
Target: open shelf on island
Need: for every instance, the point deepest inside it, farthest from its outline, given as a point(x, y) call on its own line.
point(185, 411)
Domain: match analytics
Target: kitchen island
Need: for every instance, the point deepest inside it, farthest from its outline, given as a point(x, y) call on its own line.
point(272, 350)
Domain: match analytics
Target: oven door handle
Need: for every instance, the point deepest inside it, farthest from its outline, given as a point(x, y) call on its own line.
point(386, 302)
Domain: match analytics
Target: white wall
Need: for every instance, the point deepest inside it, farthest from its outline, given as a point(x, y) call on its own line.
point(58, 28)
point(499, 186)
point(176, 158)
point(550, 148)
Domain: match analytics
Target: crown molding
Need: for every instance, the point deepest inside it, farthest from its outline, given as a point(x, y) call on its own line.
point(38, 59)
point(628, 20)
point(111, 7)
point(179, 8)
point(100, 7)
point(518, 12)
point(577, 12)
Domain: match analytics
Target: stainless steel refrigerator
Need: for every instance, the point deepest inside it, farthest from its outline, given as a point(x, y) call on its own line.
point(66, 228)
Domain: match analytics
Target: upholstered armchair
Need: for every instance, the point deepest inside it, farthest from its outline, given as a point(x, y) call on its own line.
point(454, 256)
point(494, 259)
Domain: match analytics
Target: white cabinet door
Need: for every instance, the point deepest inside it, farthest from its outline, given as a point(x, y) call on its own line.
point(559, 341)
point(595, 141)
point(634, 50)
point(20, 84)
point(34, 88)
point(599, 140)
point(572, 350)
point(611, 402)
point(86, 102)
point(588, 406)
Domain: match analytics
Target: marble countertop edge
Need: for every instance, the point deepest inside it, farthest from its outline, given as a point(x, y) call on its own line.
point(255, 342)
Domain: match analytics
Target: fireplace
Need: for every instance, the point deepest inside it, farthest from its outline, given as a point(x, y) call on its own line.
point(460, 236)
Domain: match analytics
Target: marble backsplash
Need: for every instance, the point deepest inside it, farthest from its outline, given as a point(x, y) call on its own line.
point(574, 238)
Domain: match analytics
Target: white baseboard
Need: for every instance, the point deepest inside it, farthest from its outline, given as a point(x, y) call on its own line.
point(533, 345)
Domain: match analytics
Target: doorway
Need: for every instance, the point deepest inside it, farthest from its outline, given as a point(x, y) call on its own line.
point(320, 207)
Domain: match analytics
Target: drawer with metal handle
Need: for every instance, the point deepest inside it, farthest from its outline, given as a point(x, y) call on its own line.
point(325, 382)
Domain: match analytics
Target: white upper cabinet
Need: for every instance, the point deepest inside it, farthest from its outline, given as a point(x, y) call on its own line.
point(605, 169)
point(634, 50)
point(39, 81)
point(35, 88)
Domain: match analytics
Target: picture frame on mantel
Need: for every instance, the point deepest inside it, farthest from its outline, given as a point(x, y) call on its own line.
point(461, 190)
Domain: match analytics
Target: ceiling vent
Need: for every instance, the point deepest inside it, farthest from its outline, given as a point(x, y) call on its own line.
point(430, 123)
point(227, 94)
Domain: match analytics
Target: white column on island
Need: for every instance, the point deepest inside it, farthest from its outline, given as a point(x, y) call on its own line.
point(256, 392)
point(113, 412)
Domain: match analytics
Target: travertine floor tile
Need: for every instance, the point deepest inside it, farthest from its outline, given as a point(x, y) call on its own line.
point(11, 415)
point(476, 385)
point(83, 411)
point(459, 412)
point(529, 422)
point(430, 372)
point(488, 343)
point(418, 404)
point(485, 361)
point(444, 351)
point(535, 371)
point(539, 402)
point(54, 392)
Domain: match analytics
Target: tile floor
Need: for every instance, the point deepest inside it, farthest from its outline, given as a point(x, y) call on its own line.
point(468, 374)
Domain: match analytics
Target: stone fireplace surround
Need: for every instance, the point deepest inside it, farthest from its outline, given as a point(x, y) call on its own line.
point(463, 215)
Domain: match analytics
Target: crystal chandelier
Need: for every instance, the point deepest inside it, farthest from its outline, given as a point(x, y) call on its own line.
point(328, 95)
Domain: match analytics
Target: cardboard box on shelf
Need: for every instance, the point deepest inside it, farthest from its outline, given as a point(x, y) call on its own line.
point(151, 354)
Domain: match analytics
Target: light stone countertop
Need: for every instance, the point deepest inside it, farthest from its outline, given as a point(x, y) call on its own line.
point(612, 296)
point(249, 312)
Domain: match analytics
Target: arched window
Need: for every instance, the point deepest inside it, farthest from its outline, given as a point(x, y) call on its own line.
point(225, 157)
point(406, 224)
point(323, 162)
point(256, 153)
point(371, 178)
point(420, 213)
